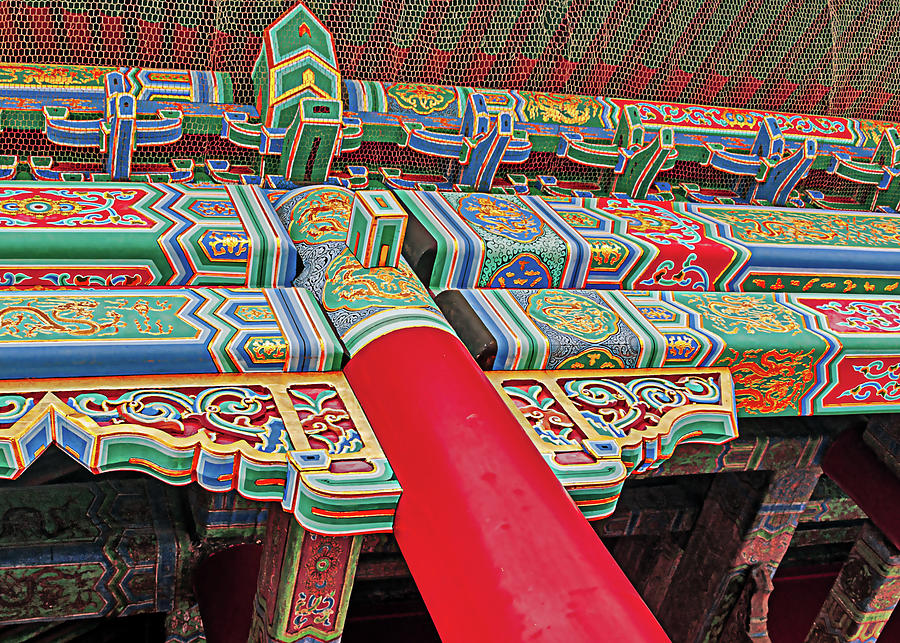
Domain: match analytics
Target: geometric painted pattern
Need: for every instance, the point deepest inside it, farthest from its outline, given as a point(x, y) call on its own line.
point(298, 439)
point(139, 234)
point(789, 354)
point(504, 241)
point(595, 428)
point(76, 333)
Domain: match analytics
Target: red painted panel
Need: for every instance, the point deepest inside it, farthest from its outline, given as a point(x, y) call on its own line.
point(225, 586)
point(796, 599)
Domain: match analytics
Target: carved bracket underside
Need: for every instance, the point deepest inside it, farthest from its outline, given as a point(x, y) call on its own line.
point(300, 439)
point(595, 428)
point(303, 440)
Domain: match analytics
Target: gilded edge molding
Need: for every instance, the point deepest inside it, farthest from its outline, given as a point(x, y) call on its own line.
point(594, 428)
point(301, 439)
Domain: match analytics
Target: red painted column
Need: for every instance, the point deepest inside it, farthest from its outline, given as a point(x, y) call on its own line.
point(496, 546)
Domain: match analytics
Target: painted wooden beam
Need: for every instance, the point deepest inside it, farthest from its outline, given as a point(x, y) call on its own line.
point(650, 511)
point(529, 241)
point(110, 235)
point(51, 334)
point(789, 354)
point(107, 548)
point(754, 450)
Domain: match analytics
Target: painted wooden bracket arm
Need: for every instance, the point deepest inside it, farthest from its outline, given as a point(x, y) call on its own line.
point(119, 133)
point(634, 162)
point(300, 440)
point(483, 142)
point(596, 428)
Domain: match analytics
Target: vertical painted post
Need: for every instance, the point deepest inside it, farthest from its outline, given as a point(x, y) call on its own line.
point(118, 128)
point(864, 595)
point(497, 548)
point(304, 584)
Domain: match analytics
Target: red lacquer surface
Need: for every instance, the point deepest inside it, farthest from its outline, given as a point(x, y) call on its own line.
point(496, 546)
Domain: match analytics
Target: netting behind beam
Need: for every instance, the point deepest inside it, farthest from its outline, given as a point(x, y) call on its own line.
point(837, 57)
point(218, 35)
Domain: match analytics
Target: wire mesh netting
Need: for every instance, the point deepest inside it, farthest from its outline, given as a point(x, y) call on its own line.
point(834, 57)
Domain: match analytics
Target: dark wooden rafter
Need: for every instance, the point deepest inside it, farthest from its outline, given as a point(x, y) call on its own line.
point(864, 595)
point(865, 465)
point(649, 562)
point(746, 521)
